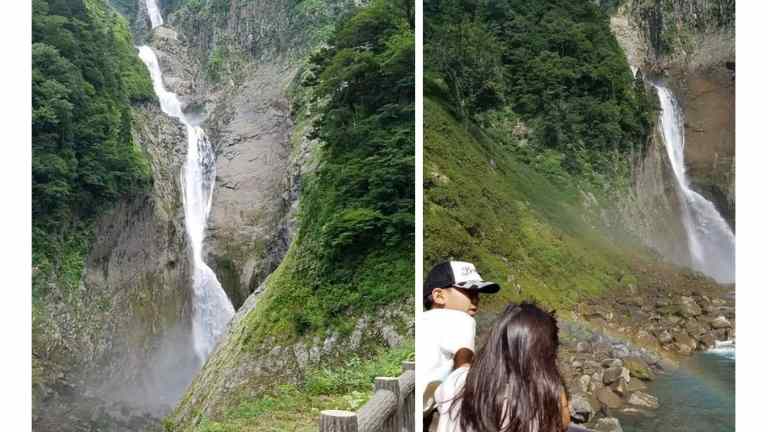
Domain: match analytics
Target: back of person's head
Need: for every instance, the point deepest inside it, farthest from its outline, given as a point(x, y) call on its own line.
point(514, 384)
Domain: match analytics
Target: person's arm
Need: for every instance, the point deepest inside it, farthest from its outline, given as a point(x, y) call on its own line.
point(463, 357)
point(459, 339)
point(565, 410)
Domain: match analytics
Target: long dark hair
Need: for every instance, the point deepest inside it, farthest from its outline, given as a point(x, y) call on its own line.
point(514, 384)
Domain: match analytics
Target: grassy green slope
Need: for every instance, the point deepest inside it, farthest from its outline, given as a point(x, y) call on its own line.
point(521, 229)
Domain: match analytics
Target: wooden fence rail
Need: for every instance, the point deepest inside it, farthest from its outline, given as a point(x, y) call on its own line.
point(391, 409)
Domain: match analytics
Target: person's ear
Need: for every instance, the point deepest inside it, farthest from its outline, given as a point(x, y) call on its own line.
point(439, 296)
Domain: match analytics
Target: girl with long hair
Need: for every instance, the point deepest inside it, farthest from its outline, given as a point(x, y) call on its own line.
point(514, 384)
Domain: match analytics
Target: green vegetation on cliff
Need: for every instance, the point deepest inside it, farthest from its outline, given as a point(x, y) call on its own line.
point(522, 229)
point(354, 248)
point(85, 75)
point(553, 65)
point(292, 407)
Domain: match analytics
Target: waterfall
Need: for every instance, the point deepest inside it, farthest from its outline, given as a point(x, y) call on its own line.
point(155, 17)
point(211, 309)
point(711, 242)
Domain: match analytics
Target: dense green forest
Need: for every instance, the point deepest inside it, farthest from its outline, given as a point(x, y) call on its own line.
point(85, 76)
point(354, 248)
point(550, 65)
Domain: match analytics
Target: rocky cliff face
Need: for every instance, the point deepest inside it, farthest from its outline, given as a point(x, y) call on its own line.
point(233, 67)
point(119, 347)
point(690, 45)
point(653, 197)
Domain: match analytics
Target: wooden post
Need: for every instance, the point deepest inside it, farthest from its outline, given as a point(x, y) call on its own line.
point(391, 424)
point(408, 411)
point(338, 421)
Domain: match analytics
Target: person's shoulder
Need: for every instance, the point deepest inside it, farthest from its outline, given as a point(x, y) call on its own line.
point(448, 315)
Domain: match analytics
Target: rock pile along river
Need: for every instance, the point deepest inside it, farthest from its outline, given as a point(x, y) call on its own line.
point(211, 308)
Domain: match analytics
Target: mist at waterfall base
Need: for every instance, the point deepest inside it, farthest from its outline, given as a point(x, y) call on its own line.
point(699, 396)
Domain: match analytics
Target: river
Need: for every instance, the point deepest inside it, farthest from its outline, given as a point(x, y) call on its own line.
point(700, 396)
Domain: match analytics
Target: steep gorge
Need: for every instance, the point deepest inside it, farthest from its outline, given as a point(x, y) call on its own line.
point(234, 69)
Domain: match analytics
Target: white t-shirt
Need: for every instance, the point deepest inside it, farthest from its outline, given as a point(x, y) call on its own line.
point(446, 331)
point(444, 396)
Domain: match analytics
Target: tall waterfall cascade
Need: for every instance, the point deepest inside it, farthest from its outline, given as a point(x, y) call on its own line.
point(211, 308)
point(155, 17)
point(711, 242)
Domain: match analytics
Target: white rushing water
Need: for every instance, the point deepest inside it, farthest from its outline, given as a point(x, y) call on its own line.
point(154, 13)
point(710, 240)
point(211, 309)
point(725, 349)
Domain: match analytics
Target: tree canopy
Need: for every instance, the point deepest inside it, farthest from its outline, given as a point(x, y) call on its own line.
point(561, 70)
point(85, 75)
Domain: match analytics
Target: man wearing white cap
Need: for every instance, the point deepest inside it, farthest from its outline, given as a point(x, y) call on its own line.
point(451, 297)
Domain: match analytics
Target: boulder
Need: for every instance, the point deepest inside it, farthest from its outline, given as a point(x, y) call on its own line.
point(625, 375)
point(583, 383)
point(620, 351)
point(682, 338)
point(620, 387)
point(612, 362)
point(683, 348)
point(707, 341)
point(694, 328)
point(723, 334)
point(582, 347)
point(611, 375)
point(720, 323)
point(607, 397)
point(635, 385)
point(583, 408)
point(591, 365)
point(664, 337)
point(638, 368)
point(687, 307)
point(643, 400)
point(602, 348)
point(645, 338)
point(608, 424)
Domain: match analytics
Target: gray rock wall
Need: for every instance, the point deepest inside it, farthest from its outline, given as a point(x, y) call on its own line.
point(650, 208)
point(119, 347)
